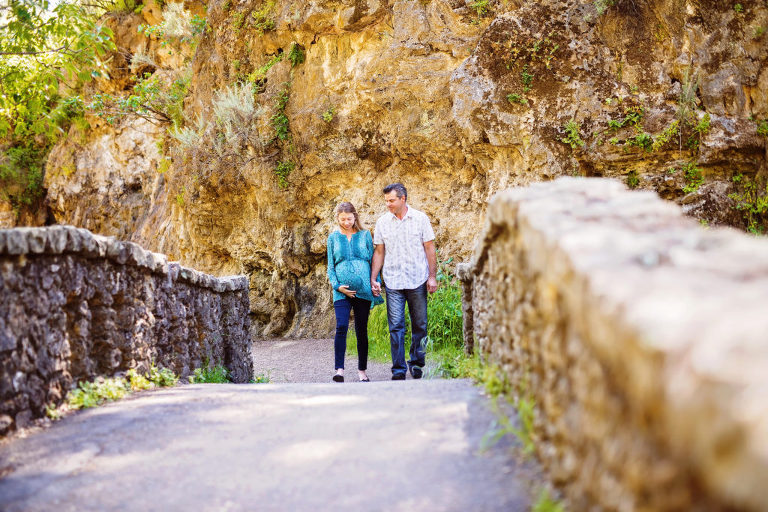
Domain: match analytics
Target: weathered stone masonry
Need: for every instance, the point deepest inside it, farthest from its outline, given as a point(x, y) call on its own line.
point(641, 337)
point(75, 305)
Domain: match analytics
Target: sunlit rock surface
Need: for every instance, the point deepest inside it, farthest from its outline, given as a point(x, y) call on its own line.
point(419, 92)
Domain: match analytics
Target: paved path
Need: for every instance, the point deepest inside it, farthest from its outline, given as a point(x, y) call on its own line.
point(217, 447)
point(412, 445)
point(309, 360)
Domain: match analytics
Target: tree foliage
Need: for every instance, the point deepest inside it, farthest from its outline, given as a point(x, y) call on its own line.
point(48, 50)
point(46, 53)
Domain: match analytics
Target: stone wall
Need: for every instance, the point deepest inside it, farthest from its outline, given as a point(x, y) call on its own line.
point(74, 305)
point(641, 337)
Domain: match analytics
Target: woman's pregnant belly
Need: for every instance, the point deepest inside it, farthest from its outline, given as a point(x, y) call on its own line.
point(353, 273)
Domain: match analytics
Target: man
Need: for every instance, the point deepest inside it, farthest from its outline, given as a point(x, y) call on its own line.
point(404, 245)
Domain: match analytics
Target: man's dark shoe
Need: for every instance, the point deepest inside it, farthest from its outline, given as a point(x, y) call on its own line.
point(398, 376)
point(416, 372)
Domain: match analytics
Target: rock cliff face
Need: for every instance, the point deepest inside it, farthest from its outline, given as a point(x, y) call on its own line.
point(455, 99)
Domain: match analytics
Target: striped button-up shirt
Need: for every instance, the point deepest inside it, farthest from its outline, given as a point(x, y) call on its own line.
point(405, 262)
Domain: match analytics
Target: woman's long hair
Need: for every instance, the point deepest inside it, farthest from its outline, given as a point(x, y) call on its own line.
point(347, 207)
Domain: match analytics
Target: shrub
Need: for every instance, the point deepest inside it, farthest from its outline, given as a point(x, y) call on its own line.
point(234, 106)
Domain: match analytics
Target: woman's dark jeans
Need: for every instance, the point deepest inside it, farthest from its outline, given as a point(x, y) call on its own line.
point(362, 309)
point(417, 307)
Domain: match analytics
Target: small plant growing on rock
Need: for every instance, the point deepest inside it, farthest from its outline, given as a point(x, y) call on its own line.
point(632, 179)
point(296, 55)
point(693, 177)
point(480, 7)
point(262, 18)
point(180, 196)
point(282, 171)
point(279, 120)
point(526, 78)
point(699, 130)
point(752, 201)
point(762, 128)
point(603, 5)
point(92, 394)
point(687, 101)
point(497, 385)
point(517, 98)
point(642, 140)
point(572, 136)
point(664, 137)
point(328, 114)
point(738, 8)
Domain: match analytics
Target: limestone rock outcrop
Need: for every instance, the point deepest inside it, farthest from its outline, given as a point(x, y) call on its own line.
point(456, 99)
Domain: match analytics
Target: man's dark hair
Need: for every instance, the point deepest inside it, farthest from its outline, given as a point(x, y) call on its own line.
point(399, 189)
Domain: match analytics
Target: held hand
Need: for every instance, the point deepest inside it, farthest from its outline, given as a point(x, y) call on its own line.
point(375, 288)
point(346, 291)
point(431, 285)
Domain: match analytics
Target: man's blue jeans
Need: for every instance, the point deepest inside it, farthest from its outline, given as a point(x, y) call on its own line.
point(417, 307)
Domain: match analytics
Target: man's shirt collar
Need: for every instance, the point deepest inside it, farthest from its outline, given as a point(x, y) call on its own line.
point(407, 214)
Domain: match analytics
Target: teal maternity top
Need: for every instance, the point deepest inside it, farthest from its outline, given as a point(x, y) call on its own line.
point(349, 263)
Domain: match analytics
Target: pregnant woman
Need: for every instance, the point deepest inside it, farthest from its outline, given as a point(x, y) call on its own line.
point(350, 248)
